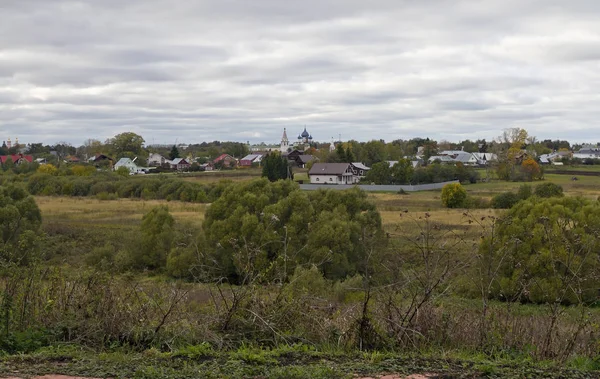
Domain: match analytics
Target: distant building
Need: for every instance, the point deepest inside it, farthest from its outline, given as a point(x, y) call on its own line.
point(332, 173)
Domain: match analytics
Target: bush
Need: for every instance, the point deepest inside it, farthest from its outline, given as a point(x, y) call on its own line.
point(549, 190)
point(505, 200)
point(453, 195)
point(525, 192)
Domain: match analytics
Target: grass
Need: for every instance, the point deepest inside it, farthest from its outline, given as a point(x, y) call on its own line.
point(294, 361)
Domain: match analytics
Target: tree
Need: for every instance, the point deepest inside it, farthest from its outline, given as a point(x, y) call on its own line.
point(157, 235)
point(272, 227)
point(128, 142)
point(47, 169)
point(531, 169)
point(373, 152)
point(380, 173)
point(20, 219)
point(276, 167)
point(546, 251)
point(549, 190)
point(453, 195)
point(174, 153)
point(402, 172)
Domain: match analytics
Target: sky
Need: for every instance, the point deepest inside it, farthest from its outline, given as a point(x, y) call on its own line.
point(187, 71)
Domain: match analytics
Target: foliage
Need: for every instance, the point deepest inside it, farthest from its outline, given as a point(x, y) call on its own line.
point(453, 195)
point(505, 200)
point(549, 189)
point(276, 167)
point(531, 169)
point(20, 219)
point(122, 171)
point(47, 169)
point(128, 142)
point(81, 170)
point(402, 171)
point(174, 153)
point(379, 173)
point(262, 226)
point(156, 240)
point(547, 251)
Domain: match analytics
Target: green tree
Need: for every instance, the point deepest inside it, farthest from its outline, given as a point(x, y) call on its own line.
point(156, 239)
point(276, 167)
point(546, 251)
point(380, 173)
point(271, 227)
point(402, 172)
point(8, 165)
point(373, 152)
point(453, 195)
point(549, 189)
point(128, 142)
point(20, 219)
point(174, 153)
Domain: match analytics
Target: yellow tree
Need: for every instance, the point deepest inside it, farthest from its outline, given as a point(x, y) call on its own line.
point(531, 169)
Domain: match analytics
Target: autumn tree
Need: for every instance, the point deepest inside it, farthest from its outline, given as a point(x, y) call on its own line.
point(531, 169)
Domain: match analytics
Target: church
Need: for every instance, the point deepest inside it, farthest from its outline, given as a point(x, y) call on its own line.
point(303, 143)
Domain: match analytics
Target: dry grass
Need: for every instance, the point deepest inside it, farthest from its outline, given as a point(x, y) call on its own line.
point(112, 213)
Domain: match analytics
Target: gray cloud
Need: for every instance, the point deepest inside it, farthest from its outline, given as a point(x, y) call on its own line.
point(244, 70)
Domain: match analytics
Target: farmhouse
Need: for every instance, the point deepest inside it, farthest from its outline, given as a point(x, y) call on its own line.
point(178, 164)
point(225, 160)
point(587, 153)
point(129, 164)
point(250, 159)
point(16, 158)
point(156, 160)
point(333, 173)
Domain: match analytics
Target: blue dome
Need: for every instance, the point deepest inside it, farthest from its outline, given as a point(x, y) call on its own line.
point(305, 134)
point(310, 137)
point(299, 137)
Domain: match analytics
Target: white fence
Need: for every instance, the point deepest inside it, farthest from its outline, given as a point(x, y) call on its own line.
point(377, 188)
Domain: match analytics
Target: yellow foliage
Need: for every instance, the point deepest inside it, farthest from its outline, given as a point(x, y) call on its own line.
point(47, 169)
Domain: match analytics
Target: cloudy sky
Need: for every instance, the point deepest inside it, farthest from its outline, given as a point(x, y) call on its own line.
point(195, 70)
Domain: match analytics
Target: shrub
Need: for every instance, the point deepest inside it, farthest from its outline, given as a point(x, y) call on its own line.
point(47, 169)
point(453, 195)
point(525, 192)
point(505, 200)
point(548, 190)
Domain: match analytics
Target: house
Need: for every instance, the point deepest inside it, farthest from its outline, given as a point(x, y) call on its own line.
point(100, 158)
point(179, 164)
point(332, 173)
point(250, 159)
point(587, 153)
point(485, 158)
point(359, 169)
point(129, 164)
point(41, 160)
point(442, 159)
point(156, 160)
point(72, 159)
point(207, 166)
point(16, 158)
point(225, 160)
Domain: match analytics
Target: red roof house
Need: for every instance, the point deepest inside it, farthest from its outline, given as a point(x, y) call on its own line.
point(16, 158)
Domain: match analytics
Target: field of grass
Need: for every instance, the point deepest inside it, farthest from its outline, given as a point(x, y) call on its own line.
point(77, 221)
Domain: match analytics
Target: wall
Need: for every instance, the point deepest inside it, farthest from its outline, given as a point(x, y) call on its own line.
point(376, 188)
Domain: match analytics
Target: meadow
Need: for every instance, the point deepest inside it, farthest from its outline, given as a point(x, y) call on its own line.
point(145, 324)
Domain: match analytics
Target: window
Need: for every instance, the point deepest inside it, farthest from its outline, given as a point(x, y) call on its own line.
point(331, 179)
point(317, 179)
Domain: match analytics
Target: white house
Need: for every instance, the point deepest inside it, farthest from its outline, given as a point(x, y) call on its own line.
point(587, 153)
point(130, 165)
point(156, 160)
point(332, 173)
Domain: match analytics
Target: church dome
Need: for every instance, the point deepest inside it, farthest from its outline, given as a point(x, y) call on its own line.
point(310, 138)
point(304, 134)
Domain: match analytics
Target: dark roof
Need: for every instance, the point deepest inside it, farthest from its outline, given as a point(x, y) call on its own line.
point(305, 158)
point(328, 168)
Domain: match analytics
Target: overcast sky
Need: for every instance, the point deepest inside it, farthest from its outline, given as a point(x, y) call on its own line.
point(195, 70)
